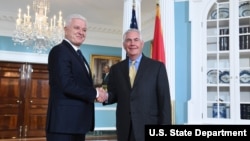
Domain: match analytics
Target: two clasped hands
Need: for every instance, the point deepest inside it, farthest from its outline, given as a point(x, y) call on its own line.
point(103, 95)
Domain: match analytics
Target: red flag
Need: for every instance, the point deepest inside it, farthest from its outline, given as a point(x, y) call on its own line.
point(158, 52)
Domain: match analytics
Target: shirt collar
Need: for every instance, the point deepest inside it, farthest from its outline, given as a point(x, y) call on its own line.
point(137, 60)
point(75, 47)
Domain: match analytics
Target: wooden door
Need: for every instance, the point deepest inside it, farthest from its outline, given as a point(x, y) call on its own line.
point(24, 94)
point(36, 100)
point(11, 104)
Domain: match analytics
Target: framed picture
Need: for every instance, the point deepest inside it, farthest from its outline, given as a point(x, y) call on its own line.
point(97, 62)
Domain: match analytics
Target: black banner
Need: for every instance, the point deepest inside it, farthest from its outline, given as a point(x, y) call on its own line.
point(153, 132)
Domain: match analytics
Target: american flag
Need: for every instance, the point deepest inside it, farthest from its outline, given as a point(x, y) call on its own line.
point(133, 23)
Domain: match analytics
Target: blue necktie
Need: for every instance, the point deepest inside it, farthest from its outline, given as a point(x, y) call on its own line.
point(83, 58)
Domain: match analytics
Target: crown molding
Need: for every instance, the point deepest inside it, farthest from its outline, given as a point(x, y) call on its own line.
point(23, 57)
point(98, 34)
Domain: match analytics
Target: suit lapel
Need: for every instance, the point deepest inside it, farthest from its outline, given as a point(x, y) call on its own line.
point(71, 49)
point(125, 70)
point(142, 66)
point(83, 64)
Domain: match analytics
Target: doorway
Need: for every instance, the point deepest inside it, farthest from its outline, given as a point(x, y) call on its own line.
point(24, 91)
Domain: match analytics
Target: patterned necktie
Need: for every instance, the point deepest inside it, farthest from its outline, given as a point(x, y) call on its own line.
point(83, 58)
point(132, 73)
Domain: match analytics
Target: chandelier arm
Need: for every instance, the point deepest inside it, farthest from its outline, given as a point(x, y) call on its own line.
point(41, 34)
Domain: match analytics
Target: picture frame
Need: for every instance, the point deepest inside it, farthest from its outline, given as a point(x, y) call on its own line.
point(97, 62)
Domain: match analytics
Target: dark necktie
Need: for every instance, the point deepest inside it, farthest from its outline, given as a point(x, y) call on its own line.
point(83, 59)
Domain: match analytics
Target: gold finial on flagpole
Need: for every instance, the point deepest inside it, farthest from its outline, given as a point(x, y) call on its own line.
point(157, 2)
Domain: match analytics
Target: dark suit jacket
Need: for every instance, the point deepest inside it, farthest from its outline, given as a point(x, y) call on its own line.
point(105, 79)
point(72, 94)
point(148, 102)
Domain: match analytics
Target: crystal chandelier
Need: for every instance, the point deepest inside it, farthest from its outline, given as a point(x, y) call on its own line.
point(40, 34)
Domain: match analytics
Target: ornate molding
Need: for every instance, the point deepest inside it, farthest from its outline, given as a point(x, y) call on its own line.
point(98, 34)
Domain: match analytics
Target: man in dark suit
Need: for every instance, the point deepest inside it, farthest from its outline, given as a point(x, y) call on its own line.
point(147, 101)
point(105, 76)
point(70, 112)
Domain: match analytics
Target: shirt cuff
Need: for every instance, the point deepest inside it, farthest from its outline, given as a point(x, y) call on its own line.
point(97, 93)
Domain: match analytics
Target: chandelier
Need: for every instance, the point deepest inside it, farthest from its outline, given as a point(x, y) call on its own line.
point(41, 34)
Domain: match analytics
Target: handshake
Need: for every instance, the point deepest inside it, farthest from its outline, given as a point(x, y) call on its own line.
point(103, 95)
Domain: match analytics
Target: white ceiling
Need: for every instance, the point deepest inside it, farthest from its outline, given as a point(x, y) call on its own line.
point(105, 17)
